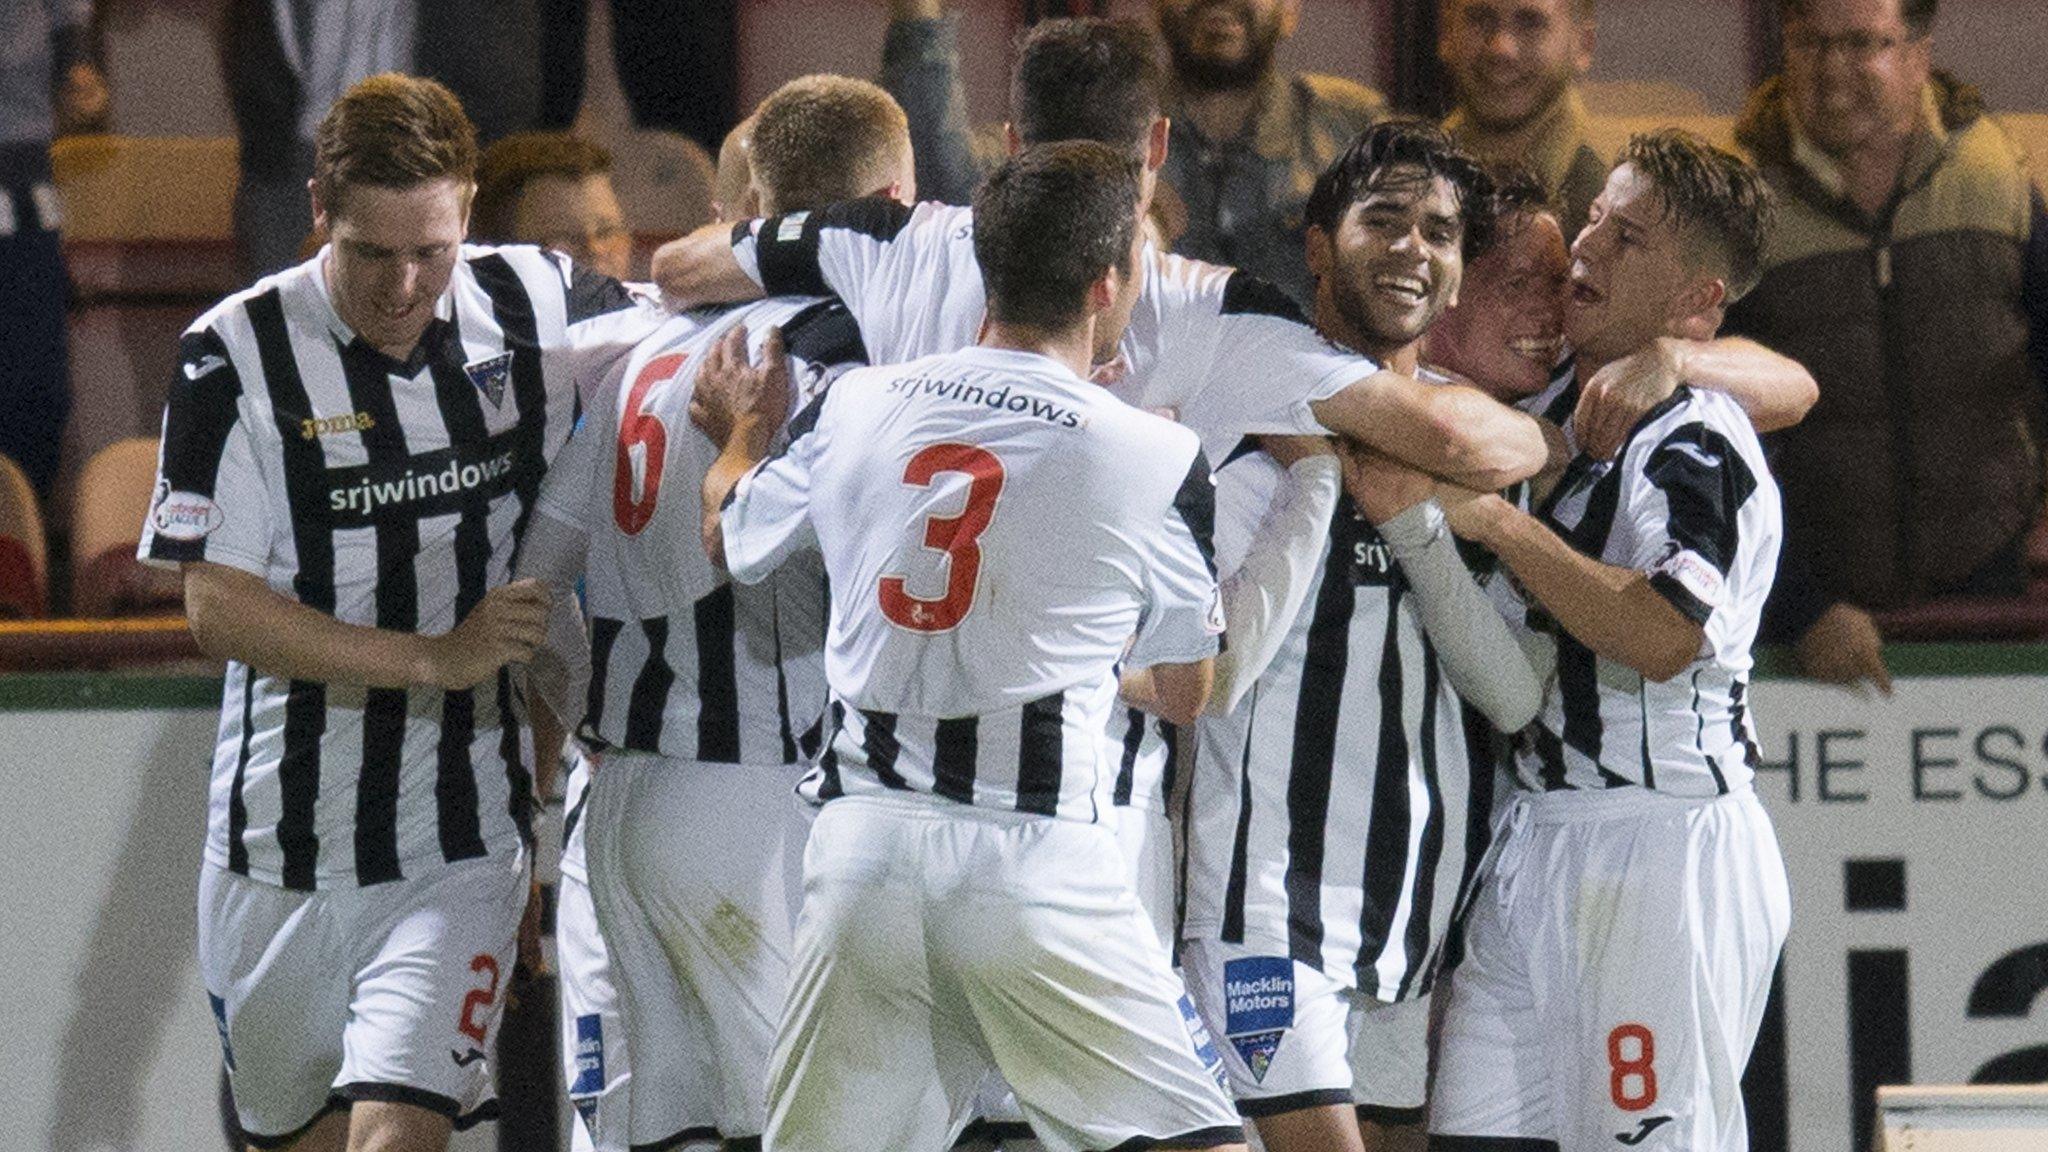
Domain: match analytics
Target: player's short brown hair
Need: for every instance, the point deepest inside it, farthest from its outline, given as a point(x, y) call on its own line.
point(392, 131)
point(1715, 197)
point(1048, 224)
point(508, 166)
point(822, 138)
point(1088, 79)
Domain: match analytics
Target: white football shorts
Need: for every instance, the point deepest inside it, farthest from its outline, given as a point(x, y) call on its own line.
point(695, 871)
point(389, 992)
point(1617, 959)
point(595, 1066)
point(938, 940)
point(1292, 1037)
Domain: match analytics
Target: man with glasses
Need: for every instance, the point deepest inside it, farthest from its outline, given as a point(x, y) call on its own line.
point(1910, 273)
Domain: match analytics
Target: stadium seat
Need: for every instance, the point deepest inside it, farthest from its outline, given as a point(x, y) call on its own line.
point(24, 573)
point(106, 523)
point(149, 239)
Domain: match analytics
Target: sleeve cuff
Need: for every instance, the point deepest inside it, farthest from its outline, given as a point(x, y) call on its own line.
point(1689, 606)
point(1415, 529)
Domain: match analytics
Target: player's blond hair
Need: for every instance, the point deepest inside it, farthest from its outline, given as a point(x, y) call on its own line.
point(823, 138)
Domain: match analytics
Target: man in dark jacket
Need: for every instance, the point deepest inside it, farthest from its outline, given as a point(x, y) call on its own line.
point(1910, 273)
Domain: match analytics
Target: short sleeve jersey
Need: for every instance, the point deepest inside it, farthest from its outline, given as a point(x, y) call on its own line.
point(995, 531)
point(1225, 353)
point(384, 493)
point(1690, 502)
point(683, 661)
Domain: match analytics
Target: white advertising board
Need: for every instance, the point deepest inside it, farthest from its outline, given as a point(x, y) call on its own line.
point(1914, 829)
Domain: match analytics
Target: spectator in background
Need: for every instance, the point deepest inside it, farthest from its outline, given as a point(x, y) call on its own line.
point(287, 61)
point(49, 77)
point(678, 64)
point(554, 190)
point(1513, 64)
point(1910, 273)
point(1247, 140)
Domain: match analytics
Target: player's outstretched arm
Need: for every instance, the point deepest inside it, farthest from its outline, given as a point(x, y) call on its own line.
point(235, 615)
point(1264, 593)
point(1614, 611)
point(701, 269)
point(1481, 656)
point(1458, 433)
point(1774, 390)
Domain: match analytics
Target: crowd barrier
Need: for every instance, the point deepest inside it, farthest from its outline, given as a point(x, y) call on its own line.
point(1913, 828)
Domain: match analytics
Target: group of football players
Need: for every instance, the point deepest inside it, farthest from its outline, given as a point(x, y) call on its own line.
point(1027, 685)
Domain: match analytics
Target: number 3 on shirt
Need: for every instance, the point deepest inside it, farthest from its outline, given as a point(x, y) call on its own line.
point(957, 536)
point(642, 433)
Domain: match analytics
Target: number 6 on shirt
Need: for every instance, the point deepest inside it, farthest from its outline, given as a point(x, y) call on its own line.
point(956, 536)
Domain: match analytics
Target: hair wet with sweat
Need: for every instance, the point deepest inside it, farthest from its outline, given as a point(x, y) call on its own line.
point(1714, 196)
point(1402, 151)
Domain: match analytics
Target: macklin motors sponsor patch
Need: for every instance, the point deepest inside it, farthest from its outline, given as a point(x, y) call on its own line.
point(1258, 1008)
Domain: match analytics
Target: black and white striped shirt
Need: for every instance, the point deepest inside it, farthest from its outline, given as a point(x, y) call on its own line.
point(995, 530)
point(1335, 812)
point(685, 662)
point(1689, 501)
point(388, 494)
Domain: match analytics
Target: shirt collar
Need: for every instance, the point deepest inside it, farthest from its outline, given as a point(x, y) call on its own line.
point(1923, 149)
point(1274, 128)
point(1547, 144)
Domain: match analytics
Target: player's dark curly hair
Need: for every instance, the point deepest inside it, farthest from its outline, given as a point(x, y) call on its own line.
point(1048, 224)
point(1713, 195)
point(1398, 151)
point(1088, 79)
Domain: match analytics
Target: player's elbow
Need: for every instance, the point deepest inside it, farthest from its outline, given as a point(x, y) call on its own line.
point(1666, 651)
point(210, 610)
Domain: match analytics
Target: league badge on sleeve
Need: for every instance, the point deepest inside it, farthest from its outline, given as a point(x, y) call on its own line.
point(490, 376)
point(1258, 999)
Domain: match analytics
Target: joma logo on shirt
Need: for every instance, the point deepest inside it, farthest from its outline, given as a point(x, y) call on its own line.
point(335, 425)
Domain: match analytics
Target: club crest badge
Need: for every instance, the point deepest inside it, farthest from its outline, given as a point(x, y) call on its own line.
point(490, 376)
point(1258, 998)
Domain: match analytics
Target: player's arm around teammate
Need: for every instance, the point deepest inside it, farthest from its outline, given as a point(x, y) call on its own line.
point(236, 616)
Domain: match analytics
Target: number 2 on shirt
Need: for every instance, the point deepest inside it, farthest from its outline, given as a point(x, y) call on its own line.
point(637, 484)
point(959, 537)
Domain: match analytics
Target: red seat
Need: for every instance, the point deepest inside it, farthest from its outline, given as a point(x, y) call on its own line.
point(24, 581)
point(106, 523)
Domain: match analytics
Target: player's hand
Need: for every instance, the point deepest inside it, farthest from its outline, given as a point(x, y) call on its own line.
point(1470, 515)
point(734, 396)
point(1291, 450)
point(1620, 394)
point(1380, 485)
point(1844, 647)
point(504, 628)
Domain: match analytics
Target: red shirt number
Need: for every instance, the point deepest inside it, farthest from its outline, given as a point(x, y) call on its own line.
point(645, 432)
point(956, 536)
